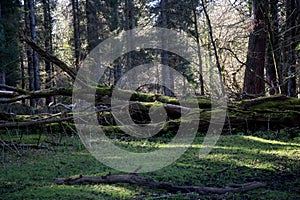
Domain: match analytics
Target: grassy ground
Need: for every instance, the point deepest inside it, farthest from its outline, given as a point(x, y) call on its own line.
point(28, 173)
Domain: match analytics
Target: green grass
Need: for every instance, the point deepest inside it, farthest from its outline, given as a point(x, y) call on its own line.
point(234, 159)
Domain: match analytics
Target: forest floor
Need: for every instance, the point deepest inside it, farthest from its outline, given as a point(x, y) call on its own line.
point(28, 173)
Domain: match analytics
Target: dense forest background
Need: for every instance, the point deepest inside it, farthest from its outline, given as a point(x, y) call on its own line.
point(254, 44)
point(247, 127)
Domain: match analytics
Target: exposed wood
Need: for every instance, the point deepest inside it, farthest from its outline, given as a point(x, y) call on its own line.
point(15, 89)
point(143, 181)
point(7, 93)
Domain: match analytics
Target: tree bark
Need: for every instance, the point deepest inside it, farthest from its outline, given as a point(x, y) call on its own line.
point(272, 49)
point(35, 60)
point(76, 28)
point(48, 45)
point(29, 51)
point(254, 75)
point(92, 27)
point(167, 80)
point(201, 83)
point(2, 72)
point(291, 45)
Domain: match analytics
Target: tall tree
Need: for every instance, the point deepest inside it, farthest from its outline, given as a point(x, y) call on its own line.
point(29, 51)
point(76, 29)
point(255, 65)
point(2, 46)
point(114, 25)
point(48, 44)
point(130, 25)
point(9, 41)
point(197, 36)
point(35, 60)
point(292, 20)
point(92, 24)
point(164, 54)
point(214, 48)
point(273, 53)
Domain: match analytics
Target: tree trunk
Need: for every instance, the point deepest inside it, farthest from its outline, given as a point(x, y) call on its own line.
point(29, 51)
point(130, 25)
point(272, 49)
point(35, 60)
point(2, 72)
point(254, 83)
point(198, 53)
point(291, 45)
point(167, 89)
point(115, 25)
point(48, 45)
point(22, 75)
point(92, 32)
point(215, 50)
point(77, 43)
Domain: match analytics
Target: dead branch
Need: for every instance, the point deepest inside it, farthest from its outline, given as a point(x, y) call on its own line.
point(138, 180)
point(49, 120)
point(7, 93)
point(15, 89)
point(46, 55)
point(37, 94)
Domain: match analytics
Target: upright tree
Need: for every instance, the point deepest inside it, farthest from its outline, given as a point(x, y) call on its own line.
point(291, 33)
point(48, 44)
point(35, 60)
point(9, 41)
point(92, 24)
point(254, 83)
point(76, 29)
point(273, 54)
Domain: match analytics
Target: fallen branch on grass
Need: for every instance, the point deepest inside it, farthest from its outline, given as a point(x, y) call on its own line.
point(138, 180)
point(49, 120)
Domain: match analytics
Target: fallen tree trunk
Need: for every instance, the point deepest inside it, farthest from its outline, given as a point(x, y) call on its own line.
point(143, 181)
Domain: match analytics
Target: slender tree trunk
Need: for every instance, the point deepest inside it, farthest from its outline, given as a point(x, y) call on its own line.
point(48, 45)
point(2, 72)
point(92, 32)
point(37, 81)
point(198, 52)
point(29, 52)
point(167, 89)
point(291, 45)
point(254, 75)
point(130, 25)
point(77, 43)
point(272, 49)
point(22, 73)
point(115, 25)
point(215, 49)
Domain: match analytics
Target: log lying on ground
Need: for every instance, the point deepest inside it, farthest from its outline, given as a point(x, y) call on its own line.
point(138, 180)
point(268, 113)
